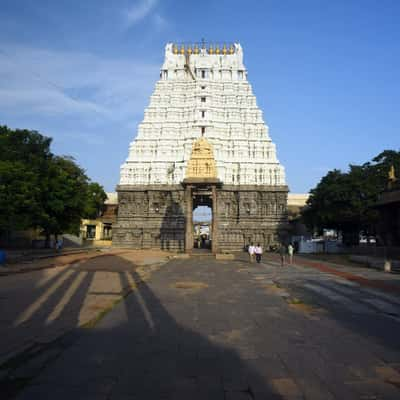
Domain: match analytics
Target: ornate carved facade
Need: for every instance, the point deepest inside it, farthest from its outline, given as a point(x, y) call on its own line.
point(151, 217)
point(155, 217)
point(202, 141)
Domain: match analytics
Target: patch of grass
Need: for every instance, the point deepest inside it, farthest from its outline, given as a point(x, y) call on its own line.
point(299, 305)
point(94, 321)
point(190, 285)
point(295, 300)
point(273, 287)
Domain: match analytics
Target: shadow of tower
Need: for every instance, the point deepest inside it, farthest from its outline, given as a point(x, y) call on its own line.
point(172, 231)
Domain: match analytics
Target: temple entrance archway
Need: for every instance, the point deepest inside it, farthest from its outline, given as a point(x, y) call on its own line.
point(200, 190)
point(202, 224)
point(200, 194)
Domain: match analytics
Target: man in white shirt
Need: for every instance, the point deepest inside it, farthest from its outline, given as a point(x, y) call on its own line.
point(290, 251)
point(251, 251)
point(258, 251)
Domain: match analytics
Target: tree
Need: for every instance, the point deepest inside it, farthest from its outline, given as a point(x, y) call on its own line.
point(24, 145)
point(18, 196)
point(332, 204)
point(96, 196)
point(41, 190)
point(379, 168)
point(344, 200)
point(24, 156)
point(63, 197)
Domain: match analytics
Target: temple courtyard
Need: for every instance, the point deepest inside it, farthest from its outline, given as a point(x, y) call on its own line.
point(138, 325)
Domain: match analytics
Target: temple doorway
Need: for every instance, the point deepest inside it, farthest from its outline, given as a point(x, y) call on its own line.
point(202, 219)
point(202, 227)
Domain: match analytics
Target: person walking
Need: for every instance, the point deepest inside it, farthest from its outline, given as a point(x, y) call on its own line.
point(258, 252)
point(59, 244)
point(282, 253)
point(251, 252)
point(290, 251)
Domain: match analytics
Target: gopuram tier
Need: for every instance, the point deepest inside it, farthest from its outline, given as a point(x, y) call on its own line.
point(202, 142)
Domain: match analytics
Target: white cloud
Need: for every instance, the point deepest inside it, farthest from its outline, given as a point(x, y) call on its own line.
point(45, 101)
point(89, 104)
point(139, 11)
point(81, 85)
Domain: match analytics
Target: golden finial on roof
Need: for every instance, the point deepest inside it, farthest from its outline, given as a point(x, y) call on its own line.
point(196, 49)
point(189, 50)
point(211, 50)
point(182, 49)
point(231, 49)
point(224, 50)
point(175, 49)
point(217, 51)
point(391, 177)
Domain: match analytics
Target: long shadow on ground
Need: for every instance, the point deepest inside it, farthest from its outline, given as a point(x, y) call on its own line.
point(139, 351)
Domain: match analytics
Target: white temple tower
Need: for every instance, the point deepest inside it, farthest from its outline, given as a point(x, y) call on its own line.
point(202, 142)
point(203, 91)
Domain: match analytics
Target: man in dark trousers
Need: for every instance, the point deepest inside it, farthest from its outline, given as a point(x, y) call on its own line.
point(258, 251)
point(282, 253)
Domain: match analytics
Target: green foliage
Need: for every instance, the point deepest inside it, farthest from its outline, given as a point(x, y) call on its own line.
point(64, 194)
point(96, 197)
point(24, 156)
point(24, 145)
point(41, 190)
point(345, 200)
point(18, 196)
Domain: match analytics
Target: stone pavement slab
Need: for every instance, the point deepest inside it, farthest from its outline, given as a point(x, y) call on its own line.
point(39, 306)
point(205, 329)
point(50, 259)
point(365, 276)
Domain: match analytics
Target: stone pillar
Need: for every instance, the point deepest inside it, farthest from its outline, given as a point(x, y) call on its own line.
point(189, 220)
point(214, 221)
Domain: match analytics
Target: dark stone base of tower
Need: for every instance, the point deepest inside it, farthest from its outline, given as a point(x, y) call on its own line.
point(160, 216)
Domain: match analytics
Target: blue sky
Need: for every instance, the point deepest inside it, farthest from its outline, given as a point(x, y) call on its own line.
point(325, 73)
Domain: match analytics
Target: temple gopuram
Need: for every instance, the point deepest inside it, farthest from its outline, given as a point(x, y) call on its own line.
point(202, 143)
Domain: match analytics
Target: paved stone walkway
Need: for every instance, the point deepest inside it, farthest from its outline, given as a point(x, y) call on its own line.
point(206, 329)
point(366, 276)
point(37, 307)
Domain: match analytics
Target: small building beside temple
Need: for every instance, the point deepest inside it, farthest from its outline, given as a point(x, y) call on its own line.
point(388, 227)
point(99, 231)
point(295, 204)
